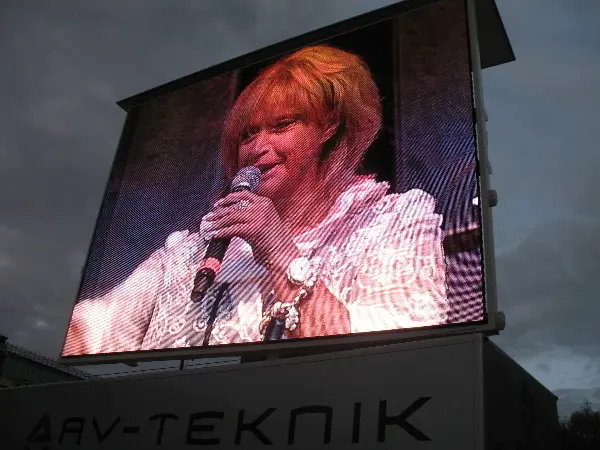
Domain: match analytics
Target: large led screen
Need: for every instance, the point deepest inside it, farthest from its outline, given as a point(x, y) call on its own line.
point(326, 191)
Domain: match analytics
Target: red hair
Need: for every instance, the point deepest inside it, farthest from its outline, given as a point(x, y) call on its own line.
point(324, 84)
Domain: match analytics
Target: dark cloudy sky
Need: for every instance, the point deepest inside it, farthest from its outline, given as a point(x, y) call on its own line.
point(64, 64)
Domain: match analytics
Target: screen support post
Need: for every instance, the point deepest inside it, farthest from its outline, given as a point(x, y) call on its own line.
point(488, 197)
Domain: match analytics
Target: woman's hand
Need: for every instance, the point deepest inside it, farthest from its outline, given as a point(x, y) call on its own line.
point(254, 219)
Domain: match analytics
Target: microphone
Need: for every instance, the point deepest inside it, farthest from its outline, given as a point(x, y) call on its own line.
point(247, 179)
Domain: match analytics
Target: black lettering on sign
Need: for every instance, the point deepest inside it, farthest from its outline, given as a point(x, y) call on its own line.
point(193, 427)
point(131, 430)
point(161, 428)
point(253, 427)
point(326, 410)
point(102, 436)
point(41, 431)
point(72, 426)
point(356, 423)
point(401, 420)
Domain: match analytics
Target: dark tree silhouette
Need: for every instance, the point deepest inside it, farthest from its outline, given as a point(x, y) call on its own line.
point(581, 430)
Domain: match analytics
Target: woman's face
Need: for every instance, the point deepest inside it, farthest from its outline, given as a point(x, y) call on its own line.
point(286, 149)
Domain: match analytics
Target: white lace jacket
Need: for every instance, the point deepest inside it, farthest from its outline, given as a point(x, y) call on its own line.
point(381, 256)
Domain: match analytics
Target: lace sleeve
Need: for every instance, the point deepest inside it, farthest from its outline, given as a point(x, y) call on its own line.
point(400, 283)
point(117, 321)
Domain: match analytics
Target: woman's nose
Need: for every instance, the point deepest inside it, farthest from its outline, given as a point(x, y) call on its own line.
point(261, 144)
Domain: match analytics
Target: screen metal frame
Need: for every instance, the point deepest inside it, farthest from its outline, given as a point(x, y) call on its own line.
point(259, 350)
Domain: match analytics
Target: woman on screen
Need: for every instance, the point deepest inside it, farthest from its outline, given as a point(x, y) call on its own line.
point(316, 250)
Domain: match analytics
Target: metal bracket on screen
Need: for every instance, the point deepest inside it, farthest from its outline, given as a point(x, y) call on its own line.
point(492, 198)
point(500, 320)
point(499, 323)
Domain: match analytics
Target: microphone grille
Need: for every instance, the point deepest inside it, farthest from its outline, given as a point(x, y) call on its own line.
point(246, 178)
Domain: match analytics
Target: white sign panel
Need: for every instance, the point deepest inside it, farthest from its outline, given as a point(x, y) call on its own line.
point(411, 396)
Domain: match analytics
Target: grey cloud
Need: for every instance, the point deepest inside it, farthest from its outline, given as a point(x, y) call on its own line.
point(543, 113)
point(543, 117)
point(543, 367)
point(571, 399)
point(546, 288)
point(37, 292)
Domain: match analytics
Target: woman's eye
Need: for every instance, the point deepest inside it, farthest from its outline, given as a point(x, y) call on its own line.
point(247, 135)
point(283, 124)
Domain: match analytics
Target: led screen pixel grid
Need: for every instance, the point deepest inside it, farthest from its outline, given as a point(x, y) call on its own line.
point(396, 245)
